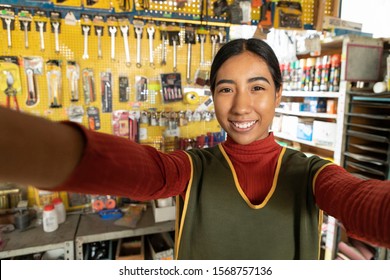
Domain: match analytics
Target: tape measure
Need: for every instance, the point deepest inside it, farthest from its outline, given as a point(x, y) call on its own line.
point(191, 98)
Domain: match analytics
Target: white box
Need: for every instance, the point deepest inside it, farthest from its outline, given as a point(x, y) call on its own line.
point(289, 125)
point(324, 133)
point(276, 123)
point(162, 214)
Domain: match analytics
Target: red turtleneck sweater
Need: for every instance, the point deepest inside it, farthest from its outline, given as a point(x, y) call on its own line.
point(117, 166)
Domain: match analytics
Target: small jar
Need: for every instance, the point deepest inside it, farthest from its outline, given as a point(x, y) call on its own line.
point(60, 210)
point(49, 218)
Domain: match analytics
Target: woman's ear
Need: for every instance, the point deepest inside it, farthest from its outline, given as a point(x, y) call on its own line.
point(278, 97)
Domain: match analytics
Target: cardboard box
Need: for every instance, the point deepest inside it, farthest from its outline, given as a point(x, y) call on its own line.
point(305, 129)
point(161, 246)
point(289, 125)
point(130, 248)
point(166, 213)
point(324, 133)
point(331, 22)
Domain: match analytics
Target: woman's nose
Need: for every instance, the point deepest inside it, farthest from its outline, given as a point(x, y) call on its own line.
point(242, 103)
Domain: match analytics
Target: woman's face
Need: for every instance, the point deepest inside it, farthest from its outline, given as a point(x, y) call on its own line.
point(245, 98)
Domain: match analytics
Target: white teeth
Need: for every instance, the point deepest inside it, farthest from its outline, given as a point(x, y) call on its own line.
point(244, 125)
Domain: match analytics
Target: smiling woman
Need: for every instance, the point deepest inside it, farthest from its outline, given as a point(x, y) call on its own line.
point(267, 197)
point(246, 93)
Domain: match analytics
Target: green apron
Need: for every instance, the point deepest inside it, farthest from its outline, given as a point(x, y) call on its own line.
point(217, 220)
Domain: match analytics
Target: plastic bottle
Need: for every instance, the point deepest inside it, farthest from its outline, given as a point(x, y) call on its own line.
point(60, 209)
point(49, 218)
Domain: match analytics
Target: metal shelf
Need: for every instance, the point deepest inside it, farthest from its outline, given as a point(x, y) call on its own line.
point(92, 228)
point(309, 143)
point(35, 240)
point(301, 93)
point(306, 114)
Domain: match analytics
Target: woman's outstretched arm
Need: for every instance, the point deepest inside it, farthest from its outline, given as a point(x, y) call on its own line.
point(37, 151)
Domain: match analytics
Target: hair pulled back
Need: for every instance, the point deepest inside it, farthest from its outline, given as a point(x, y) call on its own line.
point(238, 46)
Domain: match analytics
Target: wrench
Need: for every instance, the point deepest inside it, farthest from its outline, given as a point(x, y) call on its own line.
point(99, 31)
point(174, 53)
point(163, 51)
point(189, 55)
point(150, 30)
point(8, 22)
point(32, 97)
point(220, 37)
point(25, 25)
point(214, 45)
point(202, 38)
point(112, 30)
point(42, 39)
point(85, 32)
point(138, 31)
point(124, 29)
point(56, 26)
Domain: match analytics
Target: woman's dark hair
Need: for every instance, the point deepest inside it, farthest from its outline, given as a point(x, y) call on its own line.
point(238, 46)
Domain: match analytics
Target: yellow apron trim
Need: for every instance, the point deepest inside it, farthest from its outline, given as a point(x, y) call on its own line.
point(320, 221)
point(317, 173)
point(238, 186)
point(187, 196)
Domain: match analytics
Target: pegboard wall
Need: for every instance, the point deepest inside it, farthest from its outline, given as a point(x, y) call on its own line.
point(78, 46)
point(90, 60)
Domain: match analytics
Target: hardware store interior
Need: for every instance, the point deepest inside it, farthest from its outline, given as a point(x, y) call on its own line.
point(140, 70)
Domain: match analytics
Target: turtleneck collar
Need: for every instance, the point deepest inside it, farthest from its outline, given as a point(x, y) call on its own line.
point(259, 147)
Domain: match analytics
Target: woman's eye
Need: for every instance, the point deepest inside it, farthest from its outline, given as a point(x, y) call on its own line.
point(258, 88)
point(224, 90)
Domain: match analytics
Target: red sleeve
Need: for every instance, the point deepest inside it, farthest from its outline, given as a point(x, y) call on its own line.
point(117, 166)
point(362, 206)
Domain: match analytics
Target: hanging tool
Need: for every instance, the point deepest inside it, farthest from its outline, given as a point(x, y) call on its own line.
point(202, 39)
point(175, 38)
point(189, 40)
point(138, 31)
point(163, 48)
point(25, 27)
point(88, 86)
point(124, 29)
point(72, 72)
point(56, 26)
point(8, 22)
point(41, 26)
point(99, 33)
point(150, 30)
point(32, 96)
point(214, 40)
point(112, 30)
point(10, 91)
point(85, 32)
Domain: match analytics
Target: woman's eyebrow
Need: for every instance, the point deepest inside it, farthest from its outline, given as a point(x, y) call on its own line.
point(250, 80)
point(224, 81)
point(254, 79)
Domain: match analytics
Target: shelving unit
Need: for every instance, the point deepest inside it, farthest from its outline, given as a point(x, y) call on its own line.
point(367, 145)
point(92, 229)
point(349, 47)
point(366, 150)
point(35, 240)
point(76, 231)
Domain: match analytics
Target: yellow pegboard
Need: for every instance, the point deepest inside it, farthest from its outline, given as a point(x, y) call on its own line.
point(71, 48)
